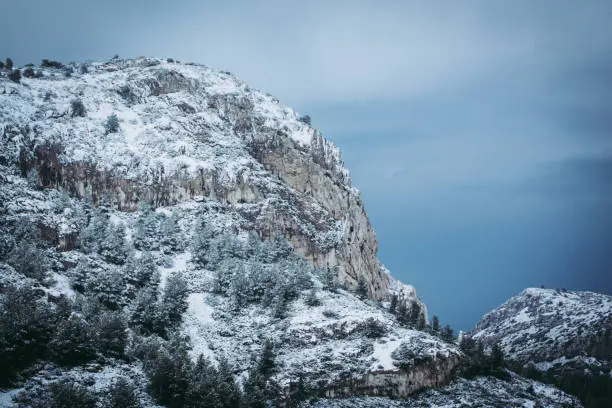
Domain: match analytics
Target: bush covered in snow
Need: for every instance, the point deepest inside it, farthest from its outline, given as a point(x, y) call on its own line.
point(78, 108)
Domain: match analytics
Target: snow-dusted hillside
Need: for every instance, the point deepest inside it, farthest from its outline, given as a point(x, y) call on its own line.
point(546, 324)
point(204, 180)
point(560, 337)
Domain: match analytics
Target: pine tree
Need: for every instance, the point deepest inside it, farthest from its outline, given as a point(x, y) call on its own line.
point(280, 306)
point(393, 304)
point(110, 334)
point(9, 63)
point(253, 246)
point(415, 313)
point(68, 394)
point(255, 391)
point(169, 376)
point(203, 386)
point(122, 394)
point(78, 108)
point(401, 314)
point(15, 76)
point(435, 324)
point(497, 357)
point(79, 276)
point(141, 270)
point(112, 124)
point(113, 247)
point(224, 276)
point(447, 334)
point(174, 300)
point(73, 343)
point(146, 315)
point(95, 232)
point(421, 322)
point(330, 282)
point(26, 326)
point(201, 244)
point(229, 392)
point(171, 236)
point(146, 235)
point(28, 260)
point(29, 73)
point(362, 287)
point(281, 247)
point(107, 285)
point(256, 387)
point(266, 365)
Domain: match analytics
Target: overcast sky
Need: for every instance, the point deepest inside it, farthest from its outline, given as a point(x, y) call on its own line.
point(479, 132)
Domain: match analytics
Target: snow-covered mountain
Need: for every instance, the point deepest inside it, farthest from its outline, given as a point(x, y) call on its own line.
point(560, 336)
point(542, 325)
point(152, 212)
point(119, 176)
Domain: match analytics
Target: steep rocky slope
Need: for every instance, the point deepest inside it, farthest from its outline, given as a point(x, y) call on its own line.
point(562, 337)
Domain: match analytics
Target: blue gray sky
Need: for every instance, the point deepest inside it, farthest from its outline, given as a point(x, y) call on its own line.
point(479, 132)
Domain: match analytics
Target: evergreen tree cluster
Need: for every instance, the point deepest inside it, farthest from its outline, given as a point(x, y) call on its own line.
point(480, 363)
point(65, 393)
point(22, 250)
point(70, 393)
point(46, 63)
point(177, 382)
point(256, 271)
point(34, 328)
point(161, 314)
point(445, 332)
point(413, 316)
point(15, 75)
point(105, 238)
point(157, 231)
point(593, 388)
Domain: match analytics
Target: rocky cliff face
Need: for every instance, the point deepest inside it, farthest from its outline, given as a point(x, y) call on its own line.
point(399, 383)
point(479, 392)
point(186, 132)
